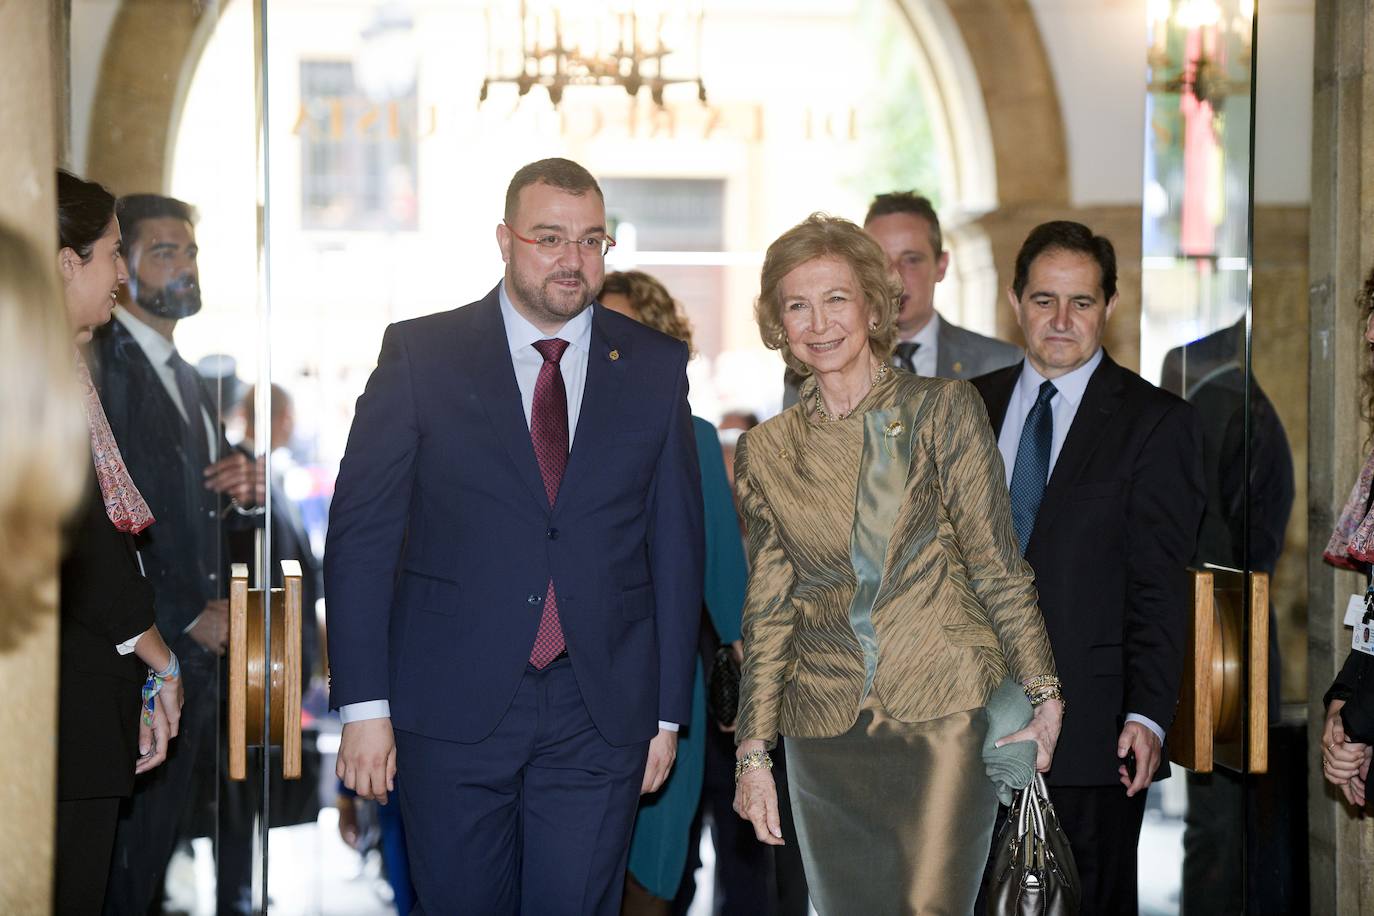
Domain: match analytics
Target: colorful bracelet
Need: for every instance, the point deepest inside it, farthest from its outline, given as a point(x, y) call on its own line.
point(173, 669)
point(153, 685)
point(754, 760)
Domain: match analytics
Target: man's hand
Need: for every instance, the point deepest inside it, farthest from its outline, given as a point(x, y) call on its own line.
point(152, 739)
point(240, 477)
point(1043, 729)
point(211, 628)
point(662, 753)
point(1138, 739)
point(367, 758)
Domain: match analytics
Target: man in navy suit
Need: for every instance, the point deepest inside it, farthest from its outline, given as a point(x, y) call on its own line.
point(513, 572)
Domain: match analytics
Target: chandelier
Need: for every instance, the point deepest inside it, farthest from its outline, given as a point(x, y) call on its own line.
point(629, 43)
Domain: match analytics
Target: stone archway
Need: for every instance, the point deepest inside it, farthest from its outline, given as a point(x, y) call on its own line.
point(999, 121)
point(145, 72)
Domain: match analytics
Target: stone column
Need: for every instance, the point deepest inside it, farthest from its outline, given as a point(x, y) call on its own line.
point(1341, 847)
point(28, 668)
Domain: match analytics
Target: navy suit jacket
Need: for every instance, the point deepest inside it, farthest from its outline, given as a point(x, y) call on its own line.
point(1110, 549)
point(185, 553)
point(442, 541)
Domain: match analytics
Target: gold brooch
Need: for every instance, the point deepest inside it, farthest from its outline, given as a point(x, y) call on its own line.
point(890, 434)
point(614, 355)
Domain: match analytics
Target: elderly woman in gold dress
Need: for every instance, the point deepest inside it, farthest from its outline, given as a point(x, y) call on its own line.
point(887, 598)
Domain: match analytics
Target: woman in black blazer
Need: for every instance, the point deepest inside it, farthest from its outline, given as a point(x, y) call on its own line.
point(119, 686)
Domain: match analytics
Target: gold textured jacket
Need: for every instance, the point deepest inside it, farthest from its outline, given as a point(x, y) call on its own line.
point(881, 557)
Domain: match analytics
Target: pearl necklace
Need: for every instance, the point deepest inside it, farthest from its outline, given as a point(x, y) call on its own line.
point(879, 374)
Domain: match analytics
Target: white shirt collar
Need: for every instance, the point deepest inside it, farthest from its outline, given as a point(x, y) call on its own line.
point(929, 335)
point(157, 348)
point(520, 333)
point(1070, 385)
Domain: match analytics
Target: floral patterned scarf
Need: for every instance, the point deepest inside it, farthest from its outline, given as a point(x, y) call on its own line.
point(1352, 543)
point(123, 503)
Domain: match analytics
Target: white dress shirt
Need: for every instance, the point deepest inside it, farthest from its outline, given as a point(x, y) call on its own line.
point(159, 349)
point(927, 356)
point(1069, 389)
point(521, 336)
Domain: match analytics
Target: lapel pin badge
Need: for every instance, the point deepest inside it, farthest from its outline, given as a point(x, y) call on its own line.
point(958, 367)
point(614, 355)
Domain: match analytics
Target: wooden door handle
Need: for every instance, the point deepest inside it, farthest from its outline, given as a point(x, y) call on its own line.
point(251, 672)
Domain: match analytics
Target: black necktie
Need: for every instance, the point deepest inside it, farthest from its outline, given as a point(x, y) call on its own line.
point(904, 355)
point(188, 384)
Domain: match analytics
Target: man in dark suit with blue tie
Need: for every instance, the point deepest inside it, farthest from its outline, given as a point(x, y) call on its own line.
point(1107, 491)
point(513, 572)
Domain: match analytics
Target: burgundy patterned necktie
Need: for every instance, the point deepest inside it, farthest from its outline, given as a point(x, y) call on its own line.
point(549, 433)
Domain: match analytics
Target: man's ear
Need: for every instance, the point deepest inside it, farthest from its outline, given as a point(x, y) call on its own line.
point(1015, 305)
point(941, 265)
point(503, 241)
point(1111, 307)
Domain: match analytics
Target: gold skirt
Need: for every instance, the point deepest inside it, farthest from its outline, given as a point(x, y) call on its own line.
point(894, 817)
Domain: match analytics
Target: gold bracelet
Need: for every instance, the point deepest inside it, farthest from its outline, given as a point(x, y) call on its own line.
point(1041, 680)
point(754, 760)
point(1044, 694)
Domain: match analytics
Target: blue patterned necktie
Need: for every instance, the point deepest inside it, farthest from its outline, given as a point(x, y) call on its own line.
point(1032, 468)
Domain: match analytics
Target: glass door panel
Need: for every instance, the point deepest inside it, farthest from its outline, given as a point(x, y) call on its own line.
point(179, 151)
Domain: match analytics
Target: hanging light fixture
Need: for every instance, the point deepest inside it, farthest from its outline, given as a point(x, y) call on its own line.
point(633, 44)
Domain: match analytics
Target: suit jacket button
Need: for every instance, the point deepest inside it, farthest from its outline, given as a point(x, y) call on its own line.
point(552, 534)
point(535, 599)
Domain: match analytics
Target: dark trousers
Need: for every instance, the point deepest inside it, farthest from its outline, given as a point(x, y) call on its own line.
point(535, 818)
point(751, 879)
point(150, 820)
point(85, 837)
point(1103, 827)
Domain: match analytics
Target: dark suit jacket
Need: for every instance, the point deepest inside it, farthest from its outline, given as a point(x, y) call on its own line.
point(442, 542)
point(105, 600)
point(1110, 550)
point(966, 354)
point(185, 553)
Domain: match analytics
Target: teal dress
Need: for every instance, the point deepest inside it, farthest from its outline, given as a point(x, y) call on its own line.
point(658, 852)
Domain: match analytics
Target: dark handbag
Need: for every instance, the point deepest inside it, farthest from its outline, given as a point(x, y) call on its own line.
point(722, 687)
point(1033, 873)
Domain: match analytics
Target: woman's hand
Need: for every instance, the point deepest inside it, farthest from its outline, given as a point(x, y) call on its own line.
point(756, 798)
point(1342, 760)
point(1043, 729)
point(1354, 790)
point(169, 700)
point(152, 739)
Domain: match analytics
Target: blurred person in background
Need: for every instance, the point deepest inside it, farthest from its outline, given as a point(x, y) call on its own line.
point(660, 848)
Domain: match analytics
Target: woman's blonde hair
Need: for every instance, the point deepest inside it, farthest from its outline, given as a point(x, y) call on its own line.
point(652, 302)
point(822, 236)
point(44, 443)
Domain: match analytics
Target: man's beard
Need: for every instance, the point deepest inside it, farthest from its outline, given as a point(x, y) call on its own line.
point(178, 299)
point(552, 304)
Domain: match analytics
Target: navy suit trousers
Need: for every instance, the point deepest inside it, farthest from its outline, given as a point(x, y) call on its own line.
point(533, 819)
